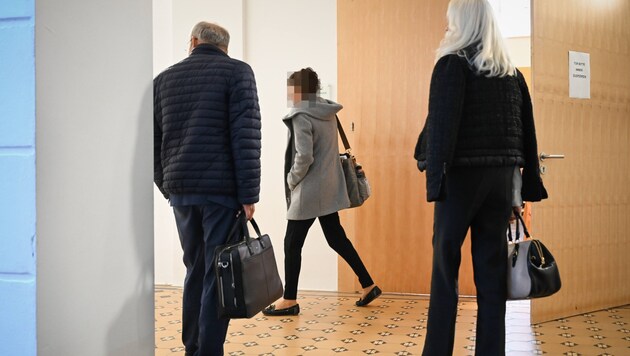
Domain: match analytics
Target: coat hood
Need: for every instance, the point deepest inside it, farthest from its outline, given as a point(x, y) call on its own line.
point(320, 108)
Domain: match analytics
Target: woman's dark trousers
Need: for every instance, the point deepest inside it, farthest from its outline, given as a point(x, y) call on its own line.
point(337, 240)
point(201, 229)
point(479, 198)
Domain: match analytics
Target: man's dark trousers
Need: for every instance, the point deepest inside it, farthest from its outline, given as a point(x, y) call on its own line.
point(201, 229)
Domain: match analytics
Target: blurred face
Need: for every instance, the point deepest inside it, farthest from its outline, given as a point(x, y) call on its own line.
point(294, 94)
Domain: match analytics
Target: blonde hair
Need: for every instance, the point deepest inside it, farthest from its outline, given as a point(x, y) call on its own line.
point(473, 33)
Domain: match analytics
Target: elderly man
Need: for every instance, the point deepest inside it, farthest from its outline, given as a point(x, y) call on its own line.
point(207, 164)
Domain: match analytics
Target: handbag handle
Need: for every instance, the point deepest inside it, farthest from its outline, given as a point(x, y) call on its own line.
point(519, 218)
point(344, 139)
point(536, 243)
point(510, 233)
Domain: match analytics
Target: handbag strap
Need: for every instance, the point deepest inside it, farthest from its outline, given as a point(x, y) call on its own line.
point(515, 239)
point(520, 218)
point(344, 139)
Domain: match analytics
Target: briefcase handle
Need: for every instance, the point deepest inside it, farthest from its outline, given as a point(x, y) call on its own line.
point(256, 229)
point(241, 221)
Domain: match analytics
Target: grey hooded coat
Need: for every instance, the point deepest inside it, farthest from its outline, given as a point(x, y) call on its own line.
point(314, 180)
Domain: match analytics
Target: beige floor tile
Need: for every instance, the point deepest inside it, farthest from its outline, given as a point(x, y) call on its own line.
point(393, 325)
point(168, 352)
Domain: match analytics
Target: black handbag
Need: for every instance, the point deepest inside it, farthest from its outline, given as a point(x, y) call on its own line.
point(532, 270)
point(356, 182)
point(246, 271)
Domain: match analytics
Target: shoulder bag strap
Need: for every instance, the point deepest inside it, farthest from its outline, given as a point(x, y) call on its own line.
point(344, 139)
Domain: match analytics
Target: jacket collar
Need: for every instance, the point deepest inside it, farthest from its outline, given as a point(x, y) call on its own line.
point(470, 51)
point(205, 48)
point(319, 108)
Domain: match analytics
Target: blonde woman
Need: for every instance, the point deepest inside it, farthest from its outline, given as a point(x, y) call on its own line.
point(478, 133)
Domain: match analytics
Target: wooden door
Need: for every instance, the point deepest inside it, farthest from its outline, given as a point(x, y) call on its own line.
point(386, 53)
point(584, 223)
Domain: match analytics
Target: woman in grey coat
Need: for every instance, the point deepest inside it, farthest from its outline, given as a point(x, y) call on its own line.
point(315, 187)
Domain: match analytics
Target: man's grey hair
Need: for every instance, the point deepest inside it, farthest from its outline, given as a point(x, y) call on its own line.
point(211, 33)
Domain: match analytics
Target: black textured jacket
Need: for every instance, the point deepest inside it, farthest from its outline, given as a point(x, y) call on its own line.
point(207, 127)
point(477, 121)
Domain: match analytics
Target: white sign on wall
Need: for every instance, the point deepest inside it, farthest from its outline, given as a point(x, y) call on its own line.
point(326, 91)
point(579, 75)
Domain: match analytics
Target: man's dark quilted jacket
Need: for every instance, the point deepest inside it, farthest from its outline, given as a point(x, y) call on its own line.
point(477, 121)
point(207, 127)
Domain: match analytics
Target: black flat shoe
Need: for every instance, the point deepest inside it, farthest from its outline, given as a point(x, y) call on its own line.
point(373, 294)
point(272, 311)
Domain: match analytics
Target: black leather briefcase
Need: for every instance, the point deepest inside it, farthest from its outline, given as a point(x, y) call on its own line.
point(247, 275)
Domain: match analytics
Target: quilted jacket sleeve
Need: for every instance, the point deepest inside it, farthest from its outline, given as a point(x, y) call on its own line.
point(158, 174)
point(245, 134)
point(446, 102)
point(533, 188)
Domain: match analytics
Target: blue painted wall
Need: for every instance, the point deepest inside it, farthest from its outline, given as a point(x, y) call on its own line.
point(17, 179)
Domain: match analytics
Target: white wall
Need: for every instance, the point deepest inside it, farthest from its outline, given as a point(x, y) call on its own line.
point(274, 37)
point(94, 178)
point(520, 49)
point(187, 13)
point(514, 17)
point(169, 268)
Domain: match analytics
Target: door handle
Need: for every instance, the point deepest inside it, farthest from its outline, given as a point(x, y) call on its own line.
point(544, 156)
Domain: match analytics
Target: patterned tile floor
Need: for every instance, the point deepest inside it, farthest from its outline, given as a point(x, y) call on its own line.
point(330, 324)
